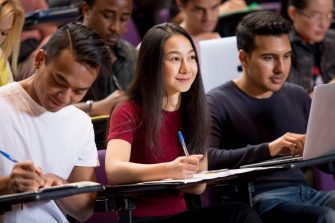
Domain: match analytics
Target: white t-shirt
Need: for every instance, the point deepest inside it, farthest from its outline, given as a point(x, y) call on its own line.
point(54, 141)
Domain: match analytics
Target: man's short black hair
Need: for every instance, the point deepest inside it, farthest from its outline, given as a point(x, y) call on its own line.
point(90, 4)
point(266, 23)
point(85, 43)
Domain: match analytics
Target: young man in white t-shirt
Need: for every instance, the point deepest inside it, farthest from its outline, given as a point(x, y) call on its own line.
point(52, 140)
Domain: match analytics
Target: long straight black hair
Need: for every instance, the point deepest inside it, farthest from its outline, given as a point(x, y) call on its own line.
point(148, 89)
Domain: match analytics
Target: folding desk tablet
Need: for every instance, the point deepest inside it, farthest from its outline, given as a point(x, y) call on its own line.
point(51, 193)
point(120, 197)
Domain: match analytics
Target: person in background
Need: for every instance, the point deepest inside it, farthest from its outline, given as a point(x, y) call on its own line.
point(52, 140)
point(32, 39)
point(110, 19)
point(11, 23)
point(200, 17)
point(259, 116)
point(232, 6)
point(175, 15)
point(166, 96)
point(312, 41)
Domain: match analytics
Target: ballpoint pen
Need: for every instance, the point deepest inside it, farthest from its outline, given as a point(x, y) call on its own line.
point(182, 141)
point(8, 156)
point(15, 161)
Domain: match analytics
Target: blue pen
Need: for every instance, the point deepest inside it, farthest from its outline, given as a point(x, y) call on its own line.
point(182, 141)
point(15, 161)
point(8, 156)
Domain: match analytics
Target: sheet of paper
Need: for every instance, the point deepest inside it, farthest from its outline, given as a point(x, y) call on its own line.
point(207, 175)
point(70, 185)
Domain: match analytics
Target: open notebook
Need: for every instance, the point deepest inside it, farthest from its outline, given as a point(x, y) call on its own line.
point(320, 135)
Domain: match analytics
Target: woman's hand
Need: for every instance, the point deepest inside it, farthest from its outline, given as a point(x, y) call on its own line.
point(185, 167)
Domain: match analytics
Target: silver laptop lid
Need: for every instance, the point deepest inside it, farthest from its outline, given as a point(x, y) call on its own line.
point(320, 135)
point(219, 61)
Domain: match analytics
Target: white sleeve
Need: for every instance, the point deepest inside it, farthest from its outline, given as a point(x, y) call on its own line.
point(87, 151)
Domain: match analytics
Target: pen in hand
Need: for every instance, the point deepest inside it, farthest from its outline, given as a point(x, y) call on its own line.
point(15, 161)
point(182, 141)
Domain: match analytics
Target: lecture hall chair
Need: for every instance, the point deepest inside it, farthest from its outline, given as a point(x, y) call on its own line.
point(102, 217)
point(323, 181)
point(133, 35)
point(58, 3)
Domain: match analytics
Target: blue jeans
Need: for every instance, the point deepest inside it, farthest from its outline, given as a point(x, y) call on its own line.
point(296, 204)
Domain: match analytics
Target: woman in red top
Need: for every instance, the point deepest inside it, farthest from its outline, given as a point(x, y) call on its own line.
point(166, 96)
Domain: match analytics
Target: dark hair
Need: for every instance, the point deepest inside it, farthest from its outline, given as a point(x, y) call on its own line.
point(259, 23)
point(147, 90)
point(90, 4)
point(299, 4)
point(88, 48)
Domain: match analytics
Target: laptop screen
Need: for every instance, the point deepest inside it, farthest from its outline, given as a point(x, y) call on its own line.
point(219, 61)
point(320, 136)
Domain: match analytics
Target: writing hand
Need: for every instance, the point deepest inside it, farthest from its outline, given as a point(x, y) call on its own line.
point(184, 167)
point(25, 177)
point(53, 180)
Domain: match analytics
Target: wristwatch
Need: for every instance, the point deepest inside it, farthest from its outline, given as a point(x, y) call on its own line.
point(89, 106)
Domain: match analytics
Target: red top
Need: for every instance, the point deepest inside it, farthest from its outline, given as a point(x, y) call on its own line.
point(125, 125)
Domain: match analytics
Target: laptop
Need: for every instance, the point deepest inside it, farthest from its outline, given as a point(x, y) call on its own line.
point(219, 61)
point(320, 135)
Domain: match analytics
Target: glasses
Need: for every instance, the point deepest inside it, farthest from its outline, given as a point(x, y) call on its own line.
point(316, 17)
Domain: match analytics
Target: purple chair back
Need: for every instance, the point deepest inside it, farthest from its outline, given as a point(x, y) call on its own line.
point(100, 170)
point(323, 181)
point(163, 15)
point(273, 6)
point(102, 217)
point(132, 36)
